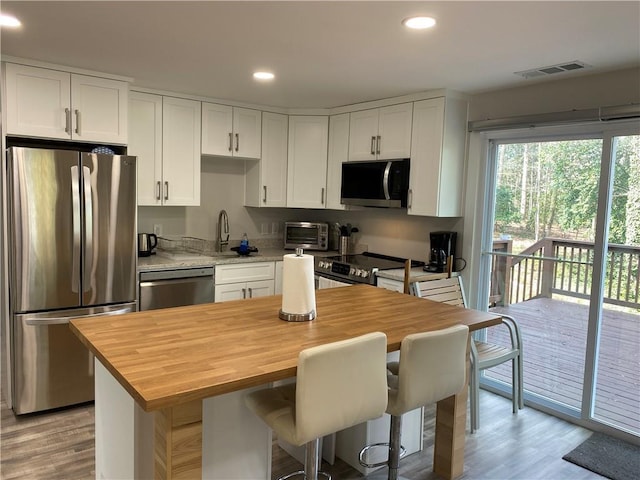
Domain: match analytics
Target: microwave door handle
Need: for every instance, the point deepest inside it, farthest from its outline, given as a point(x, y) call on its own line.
point(385, 181)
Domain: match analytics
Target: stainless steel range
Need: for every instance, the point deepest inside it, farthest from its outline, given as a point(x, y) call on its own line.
point(359, 268)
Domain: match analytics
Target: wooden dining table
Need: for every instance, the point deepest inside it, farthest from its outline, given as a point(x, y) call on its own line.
point(170, 360)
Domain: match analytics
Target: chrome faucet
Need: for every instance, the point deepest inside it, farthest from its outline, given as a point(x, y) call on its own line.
point(223, 229)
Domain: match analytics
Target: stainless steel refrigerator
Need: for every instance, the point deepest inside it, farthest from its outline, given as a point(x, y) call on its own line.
point(72, 253)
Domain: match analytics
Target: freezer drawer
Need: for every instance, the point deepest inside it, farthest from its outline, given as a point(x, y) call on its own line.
point(175, 288)
point(51, 367)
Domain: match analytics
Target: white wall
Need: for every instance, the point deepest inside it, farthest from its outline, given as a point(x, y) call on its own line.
point(565, 94)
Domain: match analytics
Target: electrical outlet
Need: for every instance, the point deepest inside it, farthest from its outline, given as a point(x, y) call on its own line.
point(274, 228)
point(264, 229)
point(157, 229)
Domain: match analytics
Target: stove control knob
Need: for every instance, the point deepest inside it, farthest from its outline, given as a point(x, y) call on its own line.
point(364, 274)
point(352, 271)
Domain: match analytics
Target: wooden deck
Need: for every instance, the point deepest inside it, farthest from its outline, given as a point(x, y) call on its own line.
point(554, 341)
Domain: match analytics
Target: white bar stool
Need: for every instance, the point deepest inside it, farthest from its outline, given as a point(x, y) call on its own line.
point(338, 385)
point(432, 367)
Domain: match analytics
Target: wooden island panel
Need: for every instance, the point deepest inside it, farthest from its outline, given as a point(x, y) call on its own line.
point(179, 356)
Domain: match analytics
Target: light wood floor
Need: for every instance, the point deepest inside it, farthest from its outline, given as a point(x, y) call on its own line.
point(529, 445)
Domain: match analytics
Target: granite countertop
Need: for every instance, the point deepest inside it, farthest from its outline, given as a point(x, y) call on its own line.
point(417, 274)
point(177, 260)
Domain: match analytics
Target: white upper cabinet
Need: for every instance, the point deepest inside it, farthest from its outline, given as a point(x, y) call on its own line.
point(181, 129)
point(338, 153)
point(437, 157)
point(60, 105)
point(164, 134)
point(266, 179)
point(231, 131)
point(145, 142)
point(381, 133)
point(307, 161)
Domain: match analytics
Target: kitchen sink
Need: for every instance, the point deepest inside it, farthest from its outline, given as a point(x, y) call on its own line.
point(184, 256)
point(234, 254)
point(225, 254)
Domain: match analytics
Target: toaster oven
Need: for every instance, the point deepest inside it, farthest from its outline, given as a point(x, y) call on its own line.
point(307, 235)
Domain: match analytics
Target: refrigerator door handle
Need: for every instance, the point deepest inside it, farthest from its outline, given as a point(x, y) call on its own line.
point(88, 226)
point(75, 203)
point(63, 320)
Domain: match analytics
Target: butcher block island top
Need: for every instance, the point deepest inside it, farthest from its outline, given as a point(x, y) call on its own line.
point(177, 355)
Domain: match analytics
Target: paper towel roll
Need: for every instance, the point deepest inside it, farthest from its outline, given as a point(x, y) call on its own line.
point(298, 292)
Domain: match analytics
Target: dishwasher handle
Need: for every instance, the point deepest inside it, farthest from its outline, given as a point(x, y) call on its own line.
point(177, 274)
point(166, 281)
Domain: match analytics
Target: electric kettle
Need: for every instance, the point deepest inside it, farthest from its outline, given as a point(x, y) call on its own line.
point(146, 243)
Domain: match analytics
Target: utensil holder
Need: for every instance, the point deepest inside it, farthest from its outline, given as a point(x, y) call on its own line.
point(343, 247)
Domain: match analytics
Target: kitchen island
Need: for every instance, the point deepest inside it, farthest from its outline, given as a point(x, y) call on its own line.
point(174, 361)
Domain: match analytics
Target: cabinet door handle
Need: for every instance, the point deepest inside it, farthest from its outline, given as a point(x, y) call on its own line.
point(67, 120)
point(250, 293)
point(410, 199)
point(166, 190)
point(77, 121)
point(373, 145)
point(378, 141)
point(244, 293)
point(322, 196)
point(264, 199)
point(237, 142)
point(158, 188)
point(230, 142)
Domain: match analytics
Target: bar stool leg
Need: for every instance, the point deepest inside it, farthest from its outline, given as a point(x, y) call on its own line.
point(394, 446)
point(312, 459)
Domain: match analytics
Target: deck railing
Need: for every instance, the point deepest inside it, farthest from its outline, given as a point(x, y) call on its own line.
point(563, 267)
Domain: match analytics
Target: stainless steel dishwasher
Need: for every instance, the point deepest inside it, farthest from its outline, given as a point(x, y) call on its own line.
point(175, 288)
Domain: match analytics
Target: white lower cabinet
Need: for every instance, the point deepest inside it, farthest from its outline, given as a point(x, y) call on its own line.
point(389, 284)
point(241, 291)
point(244, 280)
point(278, 278)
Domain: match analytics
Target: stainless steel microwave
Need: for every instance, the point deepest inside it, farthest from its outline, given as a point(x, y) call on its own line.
point(307, 235)
point(379, 183)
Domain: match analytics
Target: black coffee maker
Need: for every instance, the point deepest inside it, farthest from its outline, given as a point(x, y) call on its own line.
point(443, 250)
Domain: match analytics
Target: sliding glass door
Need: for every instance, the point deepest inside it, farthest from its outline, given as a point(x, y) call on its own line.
point(565, 262)
point(616, 399)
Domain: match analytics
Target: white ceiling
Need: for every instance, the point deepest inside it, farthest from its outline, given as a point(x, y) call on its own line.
point(324, 54)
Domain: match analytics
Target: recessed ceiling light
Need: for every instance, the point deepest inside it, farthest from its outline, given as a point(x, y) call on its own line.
point(9, 21)
point(263, 76)
point(419, 23)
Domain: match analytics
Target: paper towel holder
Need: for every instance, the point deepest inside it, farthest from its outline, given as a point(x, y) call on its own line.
point(297, 317)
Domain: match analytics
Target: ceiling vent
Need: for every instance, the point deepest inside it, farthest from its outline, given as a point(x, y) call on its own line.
point(553, 69)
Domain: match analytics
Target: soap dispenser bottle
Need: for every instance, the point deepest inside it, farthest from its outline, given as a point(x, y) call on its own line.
point(244, 244)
